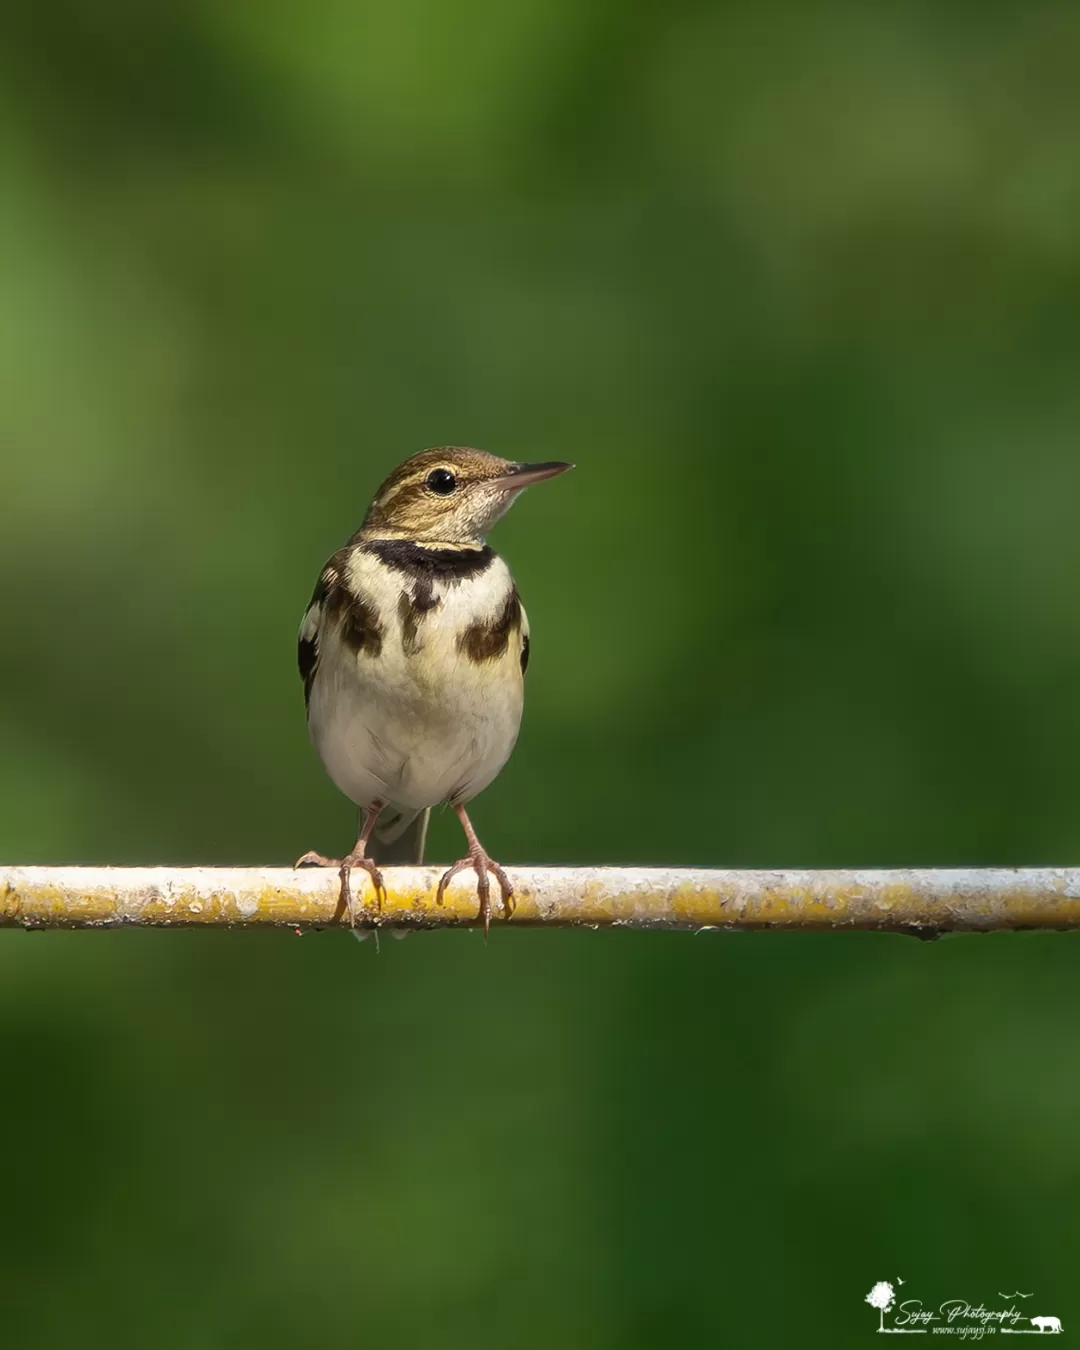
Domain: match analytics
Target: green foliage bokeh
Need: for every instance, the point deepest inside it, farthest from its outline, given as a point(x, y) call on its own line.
point(798, 288)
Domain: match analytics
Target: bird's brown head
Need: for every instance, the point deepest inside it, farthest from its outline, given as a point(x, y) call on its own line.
point(451, 495)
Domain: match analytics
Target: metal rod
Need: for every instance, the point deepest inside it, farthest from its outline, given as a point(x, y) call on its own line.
point(920, 901)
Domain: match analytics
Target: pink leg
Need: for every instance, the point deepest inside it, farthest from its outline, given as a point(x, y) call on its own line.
point(481, 863)
point(357, 858)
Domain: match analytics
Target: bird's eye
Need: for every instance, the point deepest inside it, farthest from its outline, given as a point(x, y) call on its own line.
point(441, 481)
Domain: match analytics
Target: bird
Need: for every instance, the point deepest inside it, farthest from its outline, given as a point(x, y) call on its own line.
point(413, 651)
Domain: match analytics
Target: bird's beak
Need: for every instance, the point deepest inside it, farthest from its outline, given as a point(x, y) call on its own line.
point(519, 476)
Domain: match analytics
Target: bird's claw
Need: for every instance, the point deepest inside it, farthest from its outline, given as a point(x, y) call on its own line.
point(346, 901)
point(481, 864)
point(313, 859)
point(345, 865)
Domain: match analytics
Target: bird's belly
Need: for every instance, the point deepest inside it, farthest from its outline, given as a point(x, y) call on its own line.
point(414, 734)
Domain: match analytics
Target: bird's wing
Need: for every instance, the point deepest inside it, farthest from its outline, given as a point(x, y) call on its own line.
point(524, 640)
point(337, 604)
point(307, 644)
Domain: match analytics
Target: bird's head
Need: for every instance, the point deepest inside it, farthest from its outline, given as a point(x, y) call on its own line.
point(451, 495)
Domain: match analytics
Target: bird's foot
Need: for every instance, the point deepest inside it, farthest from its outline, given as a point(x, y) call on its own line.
point(346, 904)
point(481, 863)
point(360, 860)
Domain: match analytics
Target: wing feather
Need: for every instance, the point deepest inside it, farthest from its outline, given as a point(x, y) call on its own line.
point(307, 648)
point(307, 642)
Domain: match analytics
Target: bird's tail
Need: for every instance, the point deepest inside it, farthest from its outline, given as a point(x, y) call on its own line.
point(398, 840)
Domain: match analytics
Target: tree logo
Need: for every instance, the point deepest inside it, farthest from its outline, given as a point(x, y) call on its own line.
point(882, 1297)
point(956, 1316)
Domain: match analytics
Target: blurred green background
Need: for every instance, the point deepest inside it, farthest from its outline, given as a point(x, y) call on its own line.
point(797, 286)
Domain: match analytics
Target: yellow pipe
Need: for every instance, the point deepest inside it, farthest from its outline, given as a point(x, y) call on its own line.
point(919, 901)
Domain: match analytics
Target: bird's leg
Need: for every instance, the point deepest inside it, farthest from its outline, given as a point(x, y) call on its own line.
point(481, 863)
point(357, 858)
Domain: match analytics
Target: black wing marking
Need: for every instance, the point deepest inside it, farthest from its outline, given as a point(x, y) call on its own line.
point(307, 658)
point(307, 650)
point(307, 642)
point(525, 643)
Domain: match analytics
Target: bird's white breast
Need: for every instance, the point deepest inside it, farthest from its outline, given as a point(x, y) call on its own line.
point(414, 720)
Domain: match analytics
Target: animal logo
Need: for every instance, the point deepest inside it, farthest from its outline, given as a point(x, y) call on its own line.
point(1047, 1323)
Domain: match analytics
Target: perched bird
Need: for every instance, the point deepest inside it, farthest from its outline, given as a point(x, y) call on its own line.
point(413, 653)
